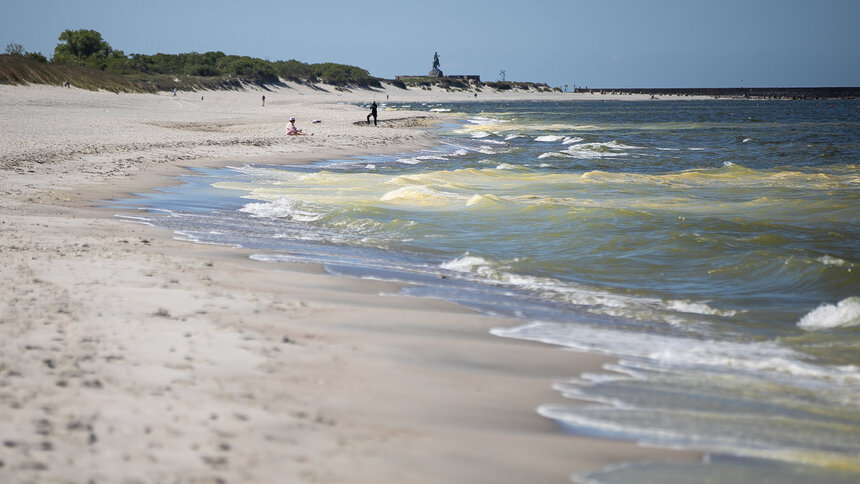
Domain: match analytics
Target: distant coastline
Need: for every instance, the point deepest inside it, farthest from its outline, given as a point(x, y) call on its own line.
point(738, 92)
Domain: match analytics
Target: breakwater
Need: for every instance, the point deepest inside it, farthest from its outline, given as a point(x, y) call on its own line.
point(739, 92)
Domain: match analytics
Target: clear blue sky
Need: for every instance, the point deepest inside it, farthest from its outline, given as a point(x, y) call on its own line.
point(598, 43)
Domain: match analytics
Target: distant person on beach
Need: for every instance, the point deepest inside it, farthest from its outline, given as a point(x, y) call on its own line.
point(264, 100)
point(372, 113)
point(292, 130)
point(174, 93)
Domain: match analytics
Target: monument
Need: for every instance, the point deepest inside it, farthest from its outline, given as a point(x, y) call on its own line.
point(435, 71)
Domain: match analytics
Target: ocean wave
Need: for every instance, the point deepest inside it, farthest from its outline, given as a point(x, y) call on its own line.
point(698, 308)
point(467, 263)
point(596, 150)
point(680, 352)
point(281, 208)
point(414, 160)
point(483, 120)
point(729, 173)
point(480, 134)
point(844, 314)
point(589, 151)
point(594, 300)
point(408, 193)
point(832, 261)
point(421, 196)
point(479, 145)
point(710, 395)
point(190, 236)
point(549, 138)
point(554, 154)
point(485, 199)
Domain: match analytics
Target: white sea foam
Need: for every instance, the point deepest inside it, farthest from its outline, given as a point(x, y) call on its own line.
point(440, 110)
point(569, 140)
point(281, 208)
point(832, 261)
point(506, 166)
point(546, 155)
point(414, 160)
point(846, 313)
point(554, 154)
point(480, 134)
point(675, 351)
point(186, 236)
point(588, 151)
point(460, 152)
point(483, 120)
point(674, 312)
point(698, 308)
point(589, 154)
point(139, 220)
point(549, 138)
point(620, 146)
point(370, 166)
point(409, 161)
point(591, 151)
point(512, 136)
point(467, 263)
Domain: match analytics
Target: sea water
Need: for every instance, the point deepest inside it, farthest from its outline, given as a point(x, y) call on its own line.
point(712, 247)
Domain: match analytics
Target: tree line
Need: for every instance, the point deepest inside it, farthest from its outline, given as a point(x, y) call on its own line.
point(88, 48)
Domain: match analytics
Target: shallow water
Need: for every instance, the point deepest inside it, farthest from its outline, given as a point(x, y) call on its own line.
point(712, 246)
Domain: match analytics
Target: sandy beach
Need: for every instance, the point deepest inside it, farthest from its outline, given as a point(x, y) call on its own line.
point(128, 356)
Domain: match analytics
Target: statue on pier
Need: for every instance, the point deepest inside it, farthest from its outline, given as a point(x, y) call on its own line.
point(436, 72)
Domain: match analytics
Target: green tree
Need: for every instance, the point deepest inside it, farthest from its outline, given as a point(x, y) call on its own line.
point(294, 70)
point(81, 47)
point(37, 56)
point(15, 49)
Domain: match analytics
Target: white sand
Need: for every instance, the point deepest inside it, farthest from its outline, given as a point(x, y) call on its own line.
point(127, 356)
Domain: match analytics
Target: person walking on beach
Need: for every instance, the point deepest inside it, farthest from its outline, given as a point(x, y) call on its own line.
point(264, 100)
point(372, 113)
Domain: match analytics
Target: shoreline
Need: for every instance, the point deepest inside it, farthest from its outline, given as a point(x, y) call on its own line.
point(128, 354)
